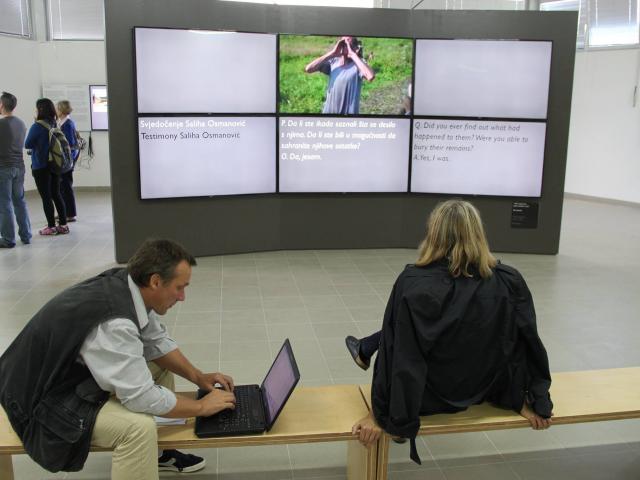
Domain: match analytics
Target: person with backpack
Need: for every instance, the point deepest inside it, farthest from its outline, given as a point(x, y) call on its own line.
point(47, 176)
point(68, 127)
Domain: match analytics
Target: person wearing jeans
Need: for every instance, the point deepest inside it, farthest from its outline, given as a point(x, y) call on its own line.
point(12, 133)
point(12, 202)
point(47, 182)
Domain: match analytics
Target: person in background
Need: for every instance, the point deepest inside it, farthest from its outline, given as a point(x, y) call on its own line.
point(68, 127)
point(459, 329)
point(47, 182)
point(12, 133)
point(345, 67)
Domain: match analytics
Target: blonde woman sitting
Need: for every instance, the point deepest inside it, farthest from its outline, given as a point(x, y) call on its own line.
point(459, 329)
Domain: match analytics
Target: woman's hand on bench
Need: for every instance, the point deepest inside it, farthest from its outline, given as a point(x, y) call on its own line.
point(537, 422)
point(367, 430)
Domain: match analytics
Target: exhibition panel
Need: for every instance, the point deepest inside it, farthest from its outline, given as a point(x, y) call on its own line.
point(311, 127)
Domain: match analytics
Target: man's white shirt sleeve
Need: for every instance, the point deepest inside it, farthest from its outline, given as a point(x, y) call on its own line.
point(116, 354)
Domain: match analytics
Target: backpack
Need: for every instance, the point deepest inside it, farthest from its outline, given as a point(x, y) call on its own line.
point(81, 143)
point(60, 159)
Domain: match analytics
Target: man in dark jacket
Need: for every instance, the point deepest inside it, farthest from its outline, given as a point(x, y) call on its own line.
point(459, 329)
point(77, 375)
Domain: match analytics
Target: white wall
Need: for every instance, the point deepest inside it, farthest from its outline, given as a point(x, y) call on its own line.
point(20, 75)
point(80, 63)
point(29, 64)
point(604, 138)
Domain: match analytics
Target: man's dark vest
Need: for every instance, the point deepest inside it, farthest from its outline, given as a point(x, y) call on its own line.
point(52, 400)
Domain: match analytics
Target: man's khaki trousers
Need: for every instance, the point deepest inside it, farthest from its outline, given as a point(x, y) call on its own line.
point(132, 436)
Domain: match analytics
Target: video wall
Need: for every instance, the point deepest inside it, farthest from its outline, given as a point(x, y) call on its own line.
point(247, 113)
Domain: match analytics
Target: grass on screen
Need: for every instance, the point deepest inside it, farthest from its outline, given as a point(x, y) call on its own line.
point(300, 92)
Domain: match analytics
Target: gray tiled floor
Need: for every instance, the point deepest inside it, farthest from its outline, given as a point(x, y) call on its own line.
point(240, 307)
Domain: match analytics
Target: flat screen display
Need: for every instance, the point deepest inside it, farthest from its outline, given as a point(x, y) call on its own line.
point(344, 75)
point(482, 78)
point(99, 104)
point(338, 154)
point(469, 157)
point(356, 88)
point(203, 156)
point(280, 381)
point(201, 71)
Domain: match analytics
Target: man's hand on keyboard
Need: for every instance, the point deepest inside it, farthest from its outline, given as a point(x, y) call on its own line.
point(217, 400)
point(207, 381)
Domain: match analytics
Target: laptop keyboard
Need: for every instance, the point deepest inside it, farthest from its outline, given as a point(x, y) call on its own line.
point(241, 416)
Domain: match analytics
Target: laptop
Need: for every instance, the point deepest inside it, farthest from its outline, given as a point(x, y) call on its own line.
point(257, 407)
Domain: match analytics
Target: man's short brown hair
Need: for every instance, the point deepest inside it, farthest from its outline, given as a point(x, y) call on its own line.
point(9, 101)
point(157, 256)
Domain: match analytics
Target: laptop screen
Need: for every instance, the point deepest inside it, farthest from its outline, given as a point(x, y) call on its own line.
point(279, 383)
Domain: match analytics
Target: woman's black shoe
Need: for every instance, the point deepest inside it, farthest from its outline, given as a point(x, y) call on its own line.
point(353, 345)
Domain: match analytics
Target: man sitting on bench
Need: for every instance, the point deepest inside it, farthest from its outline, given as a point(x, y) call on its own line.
point(459, 329)
point(77, 375)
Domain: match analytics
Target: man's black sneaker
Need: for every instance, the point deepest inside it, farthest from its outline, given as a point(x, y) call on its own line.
point(175, 461)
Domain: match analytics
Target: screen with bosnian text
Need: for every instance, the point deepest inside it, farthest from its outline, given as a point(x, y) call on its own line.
point(261, 113)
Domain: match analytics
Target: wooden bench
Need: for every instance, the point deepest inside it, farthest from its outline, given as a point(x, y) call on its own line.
point(578, 397)
point(312, 414)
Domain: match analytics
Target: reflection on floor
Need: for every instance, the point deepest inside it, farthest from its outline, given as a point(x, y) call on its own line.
point(240, 308)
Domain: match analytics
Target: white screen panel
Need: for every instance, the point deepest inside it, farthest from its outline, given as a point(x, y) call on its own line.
point(196, 71)
point(478, 157)
point(196, 156)
point(482, 78)
point(333, 154)
point(99, 107)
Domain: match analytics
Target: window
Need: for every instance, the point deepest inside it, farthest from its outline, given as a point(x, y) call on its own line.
point(465, 5)
point(75, 19)
point(601, 23)
point(15, 18)
point(613, 22)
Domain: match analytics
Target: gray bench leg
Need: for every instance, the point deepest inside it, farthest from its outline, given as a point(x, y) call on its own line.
point(361, 461)
point(6, 467)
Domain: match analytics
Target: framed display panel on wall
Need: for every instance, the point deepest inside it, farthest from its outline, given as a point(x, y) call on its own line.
point(206, 122)
point(99, 104)
point(480, 116)
point(343, 109)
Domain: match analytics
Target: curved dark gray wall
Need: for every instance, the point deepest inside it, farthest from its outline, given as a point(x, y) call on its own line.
point(208, 226)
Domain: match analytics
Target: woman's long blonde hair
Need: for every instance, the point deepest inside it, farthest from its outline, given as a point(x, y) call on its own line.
point(455, 231)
